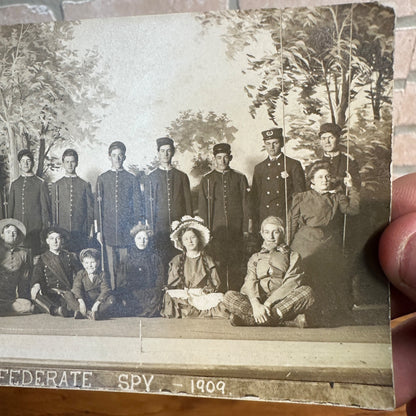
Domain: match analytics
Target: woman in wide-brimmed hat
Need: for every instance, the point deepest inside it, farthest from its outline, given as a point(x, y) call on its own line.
point(193, 279)
point(140, 292)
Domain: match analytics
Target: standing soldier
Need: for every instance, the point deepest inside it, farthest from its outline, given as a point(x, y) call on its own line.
point(168, 198)
point(339, 162)
point(118, 209)
point(223, 205)
point(29, 201)
point(275, 180)
point(73, 204)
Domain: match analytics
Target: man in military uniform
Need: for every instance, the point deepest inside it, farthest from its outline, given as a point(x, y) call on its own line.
point(168, 197)
point(53, 276)
point(15, 268)
point(29, 201)
point(118, 209)
point(340, 162)
point(275, 178)
point(223, 205)
point(73, 203)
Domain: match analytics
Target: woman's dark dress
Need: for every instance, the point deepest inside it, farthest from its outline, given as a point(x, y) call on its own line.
point(141, 291)
point(316, 234)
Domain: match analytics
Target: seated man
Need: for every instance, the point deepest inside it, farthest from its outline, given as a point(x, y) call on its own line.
point(53, 276)
point(273, 292)
point(15, 266)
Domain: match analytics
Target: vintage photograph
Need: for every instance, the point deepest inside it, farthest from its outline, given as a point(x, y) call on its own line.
point(191, 203)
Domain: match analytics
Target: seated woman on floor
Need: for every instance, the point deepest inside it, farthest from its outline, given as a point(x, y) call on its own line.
point(273, 292)
point(193, 279)
point(140, 292)
point(316, 223)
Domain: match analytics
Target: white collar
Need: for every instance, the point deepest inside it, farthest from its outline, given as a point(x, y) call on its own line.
point(170, 167)
point(195, 256)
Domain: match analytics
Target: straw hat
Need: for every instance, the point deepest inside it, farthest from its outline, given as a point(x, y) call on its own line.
point(196, 223)
point(16, 223)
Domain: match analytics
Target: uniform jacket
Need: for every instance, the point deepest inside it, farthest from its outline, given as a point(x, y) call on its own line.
point(168, 198)
point(29, 202)
point(338, 167)
point(121, 206)
point(72, 204)
point(272, 275)
point(53, 271)
point(223, 205)
point(90, 292)
point(15, 269)
point(268, 190)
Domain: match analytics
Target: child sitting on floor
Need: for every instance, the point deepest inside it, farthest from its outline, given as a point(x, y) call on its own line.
point(91, 288)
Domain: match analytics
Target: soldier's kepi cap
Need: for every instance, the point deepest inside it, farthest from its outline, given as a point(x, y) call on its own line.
point(163, 141)
point(275, 133)
point(117, 145)
point(16, 223)
point(332, 128)
point(221, 148)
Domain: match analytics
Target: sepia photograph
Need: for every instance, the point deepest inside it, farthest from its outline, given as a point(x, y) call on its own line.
point(191, 204)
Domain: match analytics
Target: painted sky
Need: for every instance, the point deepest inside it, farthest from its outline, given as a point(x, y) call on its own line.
point(160, 66)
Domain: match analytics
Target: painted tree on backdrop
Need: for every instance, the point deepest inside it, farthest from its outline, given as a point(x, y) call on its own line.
point(325, 65)
point(197, 133)
point(50, 94)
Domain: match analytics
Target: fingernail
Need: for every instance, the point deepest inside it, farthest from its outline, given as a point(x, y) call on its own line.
point(408, 263)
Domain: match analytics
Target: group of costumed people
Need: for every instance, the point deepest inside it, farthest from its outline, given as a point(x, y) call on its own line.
point(158, 259)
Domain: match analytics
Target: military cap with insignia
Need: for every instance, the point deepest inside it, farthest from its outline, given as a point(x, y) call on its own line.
point(275, 133)
point(221, 148)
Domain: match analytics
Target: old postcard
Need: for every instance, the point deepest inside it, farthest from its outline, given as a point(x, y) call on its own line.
point(190, 204)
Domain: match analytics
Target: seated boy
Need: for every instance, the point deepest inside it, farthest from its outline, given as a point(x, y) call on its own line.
point(273, 292)
point(91, 288)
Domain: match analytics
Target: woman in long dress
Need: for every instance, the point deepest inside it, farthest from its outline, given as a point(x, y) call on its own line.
point(141, 289)
point(193, 280)
point(316, 229)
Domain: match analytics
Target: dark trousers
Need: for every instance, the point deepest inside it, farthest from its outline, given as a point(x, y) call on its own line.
point(50, 302)
point(116, 256)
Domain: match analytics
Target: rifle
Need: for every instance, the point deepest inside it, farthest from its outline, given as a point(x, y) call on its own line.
point(209, 203)
point(57, 205)
point(5, 203)
point(151, 199)
point(100, 224)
